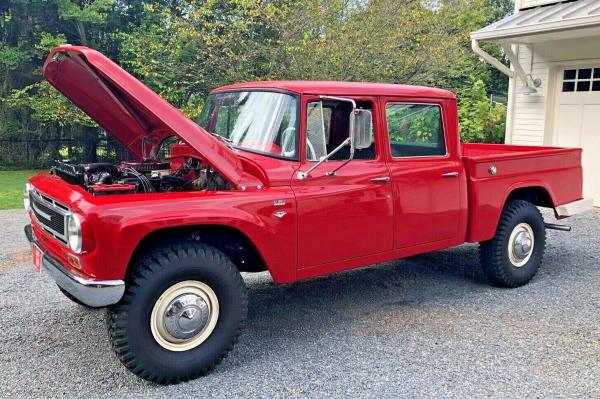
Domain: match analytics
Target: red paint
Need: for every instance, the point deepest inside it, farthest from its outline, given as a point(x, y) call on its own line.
point(557, 170)
point(129, 110)
point(332, 223)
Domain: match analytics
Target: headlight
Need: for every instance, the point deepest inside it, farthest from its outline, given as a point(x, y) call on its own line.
point(74, 233)
point(26, 201)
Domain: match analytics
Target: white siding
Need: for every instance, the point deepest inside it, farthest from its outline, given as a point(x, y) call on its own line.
point(529, 124)
point(529, 110)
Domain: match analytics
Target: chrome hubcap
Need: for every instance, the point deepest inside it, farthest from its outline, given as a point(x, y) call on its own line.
point(184, 316)
point(520, 244)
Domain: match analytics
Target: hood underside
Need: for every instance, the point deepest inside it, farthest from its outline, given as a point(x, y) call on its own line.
point(131, 112)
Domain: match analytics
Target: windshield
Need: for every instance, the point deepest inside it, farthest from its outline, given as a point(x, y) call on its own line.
point(254, 120)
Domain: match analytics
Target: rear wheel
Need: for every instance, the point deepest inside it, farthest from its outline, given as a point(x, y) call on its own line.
point(183, 310)
point(513, 256)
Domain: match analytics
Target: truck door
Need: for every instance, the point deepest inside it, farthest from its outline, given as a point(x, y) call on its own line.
point(426, 172)
point(347, 214)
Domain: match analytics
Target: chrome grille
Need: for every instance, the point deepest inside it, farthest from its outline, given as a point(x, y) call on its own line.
point(50, 215)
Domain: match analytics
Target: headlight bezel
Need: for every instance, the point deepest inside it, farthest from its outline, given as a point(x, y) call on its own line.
point(74, 236)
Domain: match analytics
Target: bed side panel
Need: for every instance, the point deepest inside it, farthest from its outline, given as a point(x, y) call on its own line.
point(559, 173)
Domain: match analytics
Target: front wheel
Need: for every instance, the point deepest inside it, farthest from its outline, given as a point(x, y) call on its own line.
point(513, 256)
point(182, 311)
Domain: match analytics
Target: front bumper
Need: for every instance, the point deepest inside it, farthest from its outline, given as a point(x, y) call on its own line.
point(94, 293)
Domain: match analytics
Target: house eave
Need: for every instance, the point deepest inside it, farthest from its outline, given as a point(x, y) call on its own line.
point(543, 19)
point(543, 23)
point(516, 33)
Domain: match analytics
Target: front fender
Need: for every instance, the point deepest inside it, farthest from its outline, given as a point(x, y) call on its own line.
point(125, 226)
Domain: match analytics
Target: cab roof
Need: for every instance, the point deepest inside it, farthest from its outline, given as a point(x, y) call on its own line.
point(343, 88)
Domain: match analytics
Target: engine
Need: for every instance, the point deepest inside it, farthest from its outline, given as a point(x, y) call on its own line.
point(179, 173)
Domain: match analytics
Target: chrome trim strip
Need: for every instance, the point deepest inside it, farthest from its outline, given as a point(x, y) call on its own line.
point(38, 210)
point(383, 179)
point(450, 174)
point(575, 207)
point(56, 206)
point(95, 293)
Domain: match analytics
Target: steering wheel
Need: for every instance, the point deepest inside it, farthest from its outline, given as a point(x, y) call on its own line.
point(288, 144)
point(311, 154)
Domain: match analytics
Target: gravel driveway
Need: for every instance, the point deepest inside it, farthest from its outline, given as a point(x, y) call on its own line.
point(422, 327)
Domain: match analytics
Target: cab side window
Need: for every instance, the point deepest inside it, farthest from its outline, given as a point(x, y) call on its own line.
point(415, 130)
point(332, 119)
point(318, 121)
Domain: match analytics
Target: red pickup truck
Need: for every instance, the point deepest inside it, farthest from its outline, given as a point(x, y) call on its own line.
point(297, 178)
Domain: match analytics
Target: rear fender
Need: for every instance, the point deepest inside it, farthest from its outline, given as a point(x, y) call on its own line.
point(483, 219)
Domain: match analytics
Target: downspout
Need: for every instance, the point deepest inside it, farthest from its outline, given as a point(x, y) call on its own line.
point(491, 60)
point(510, 110)
point(528, 82)
point(514, 60)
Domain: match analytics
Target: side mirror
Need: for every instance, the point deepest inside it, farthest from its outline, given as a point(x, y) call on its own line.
point(361, 129)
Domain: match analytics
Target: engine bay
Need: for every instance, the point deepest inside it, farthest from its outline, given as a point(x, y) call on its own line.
point(183, 171)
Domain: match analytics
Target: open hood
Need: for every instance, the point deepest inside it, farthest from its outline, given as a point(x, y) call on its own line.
point(131, 112)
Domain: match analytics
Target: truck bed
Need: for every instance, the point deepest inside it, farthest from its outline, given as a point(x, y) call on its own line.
point(554, 172)
point(482, 152)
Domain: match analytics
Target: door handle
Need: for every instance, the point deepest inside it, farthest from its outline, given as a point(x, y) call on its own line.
point(383, 179)
point(450, 174)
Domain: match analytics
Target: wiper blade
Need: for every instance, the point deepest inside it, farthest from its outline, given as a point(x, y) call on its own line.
point(227, 141)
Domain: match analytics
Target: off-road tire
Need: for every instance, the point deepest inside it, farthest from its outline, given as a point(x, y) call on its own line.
point(129, 320)
point(73, 299)
point(494, 255)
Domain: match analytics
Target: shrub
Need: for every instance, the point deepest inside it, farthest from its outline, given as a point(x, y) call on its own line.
point(480, 120)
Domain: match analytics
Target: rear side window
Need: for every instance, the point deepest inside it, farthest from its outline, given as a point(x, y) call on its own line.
point(415, 130)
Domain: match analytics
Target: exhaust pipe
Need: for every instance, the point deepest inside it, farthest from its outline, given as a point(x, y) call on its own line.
point(559, 227)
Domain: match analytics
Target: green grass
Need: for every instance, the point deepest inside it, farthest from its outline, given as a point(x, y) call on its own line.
point(11, 187)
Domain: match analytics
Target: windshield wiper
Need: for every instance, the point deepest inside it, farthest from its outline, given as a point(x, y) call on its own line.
point(227, 141)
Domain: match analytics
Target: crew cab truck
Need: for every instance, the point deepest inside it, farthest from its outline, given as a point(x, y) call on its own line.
point(298, 178)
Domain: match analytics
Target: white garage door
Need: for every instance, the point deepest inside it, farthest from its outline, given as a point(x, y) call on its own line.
point(577, 120)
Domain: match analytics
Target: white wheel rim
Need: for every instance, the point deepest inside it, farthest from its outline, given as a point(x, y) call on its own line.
point(184, 315)
point(520, 244)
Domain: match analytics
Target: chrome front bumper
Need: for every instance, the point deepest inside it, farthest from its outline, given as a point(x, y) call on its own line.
point(95, 293)
point(575, 207)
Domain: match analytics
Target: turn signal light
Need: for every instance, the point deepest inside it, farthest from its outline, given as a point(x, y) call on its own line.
point(74, 261)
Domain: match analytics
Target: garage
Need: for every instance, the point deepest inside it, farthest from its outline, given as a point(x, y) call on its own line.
point(554, 77)
point(577, 114)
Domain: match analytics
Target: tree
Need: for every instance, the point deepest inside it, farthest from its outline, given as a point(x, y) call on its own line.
point(184, 48)
point(184, 52)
